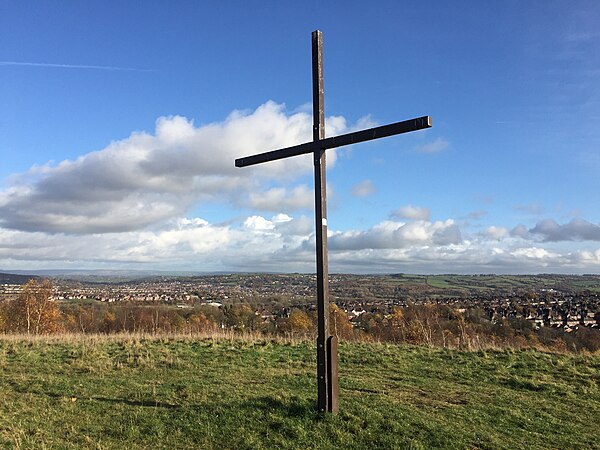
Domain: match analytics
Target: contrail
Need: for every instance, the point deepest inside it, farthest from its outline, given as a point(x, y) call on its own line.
point(71, 66)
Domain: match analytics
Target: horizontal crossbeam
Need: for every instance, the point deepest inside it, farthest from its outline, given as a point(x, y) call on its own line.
point(337, 141)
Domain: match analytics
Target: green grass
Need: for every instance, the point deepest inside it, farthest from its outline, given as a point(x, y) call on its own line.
point(481, 284)
point(184, 393)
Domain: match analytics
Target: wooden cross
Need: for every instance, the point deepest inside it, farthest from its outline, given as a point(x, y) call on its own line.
point(327, 360)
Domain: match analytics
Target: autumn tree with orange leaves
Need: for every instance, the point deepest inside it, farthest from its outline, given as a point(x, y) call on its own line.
point(33, 311)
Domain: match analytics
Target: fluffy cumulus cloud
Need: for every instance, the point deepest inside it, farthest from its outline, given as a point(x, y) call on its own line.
point(397, 235)
point(282, 242)
point(147, 179)
point(498, 233)
point(128, 206)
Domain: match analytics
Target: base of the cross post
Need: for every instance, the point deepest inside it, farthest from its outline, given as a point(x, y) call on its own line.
point(332, 375)
point(327, 374)
point(322, 377)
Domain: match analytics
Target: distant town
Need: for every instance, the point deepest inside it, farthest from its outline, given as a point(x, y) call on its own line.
point(560, 301)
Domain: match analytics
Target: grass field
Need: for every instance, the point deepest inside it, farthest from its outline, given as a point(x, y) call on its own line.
point(479, 284)
point(126, 392)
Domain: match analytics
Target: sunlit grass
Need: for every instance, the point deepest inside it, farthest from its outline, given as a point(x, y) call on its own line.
point(226, 391)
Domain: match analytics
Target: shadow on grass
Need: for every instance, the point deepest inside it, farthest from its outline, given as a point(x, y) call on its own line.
point(125, 401)
point(146, 403)
point(294, 407)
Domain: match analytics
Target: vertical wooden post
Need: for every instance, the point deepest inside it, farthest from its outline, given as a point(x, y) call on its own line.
point(324, 359)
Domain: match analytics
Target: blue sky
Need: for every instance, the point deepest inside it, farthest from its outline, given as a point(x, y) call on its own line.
point(120, 121)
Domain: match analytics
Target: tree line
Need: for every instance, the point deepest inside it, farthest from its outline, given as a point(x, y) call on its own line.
point(35, 312)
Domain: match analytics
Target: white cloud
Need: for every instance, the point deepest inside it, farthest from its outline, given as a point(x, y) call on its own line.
point(412, 213)
point(198, 238)
point(185, 222)
point(534, 253)
point(589, 257)
point(302, 227)
point(439, 145)
point(497, 233)
point(127, 205)
point(364, 123)
point(147, 179)
point(281, 218)
point(364, 189)
point(258, 223)
point(390, 234)
point(280, 198)
point(286, 243)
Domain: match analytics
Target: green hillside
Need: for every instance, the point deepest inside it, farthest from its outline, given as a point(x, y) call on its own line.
point(123, 392)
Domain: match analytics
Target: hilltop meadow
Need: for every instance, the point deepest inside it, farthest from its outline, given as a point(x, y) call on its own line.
point(232, 391)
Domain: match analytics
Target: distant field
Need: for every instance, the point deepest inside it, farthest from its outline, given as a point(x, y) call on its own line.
point(457, 285)
point(123, 392)
point(500, 283)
